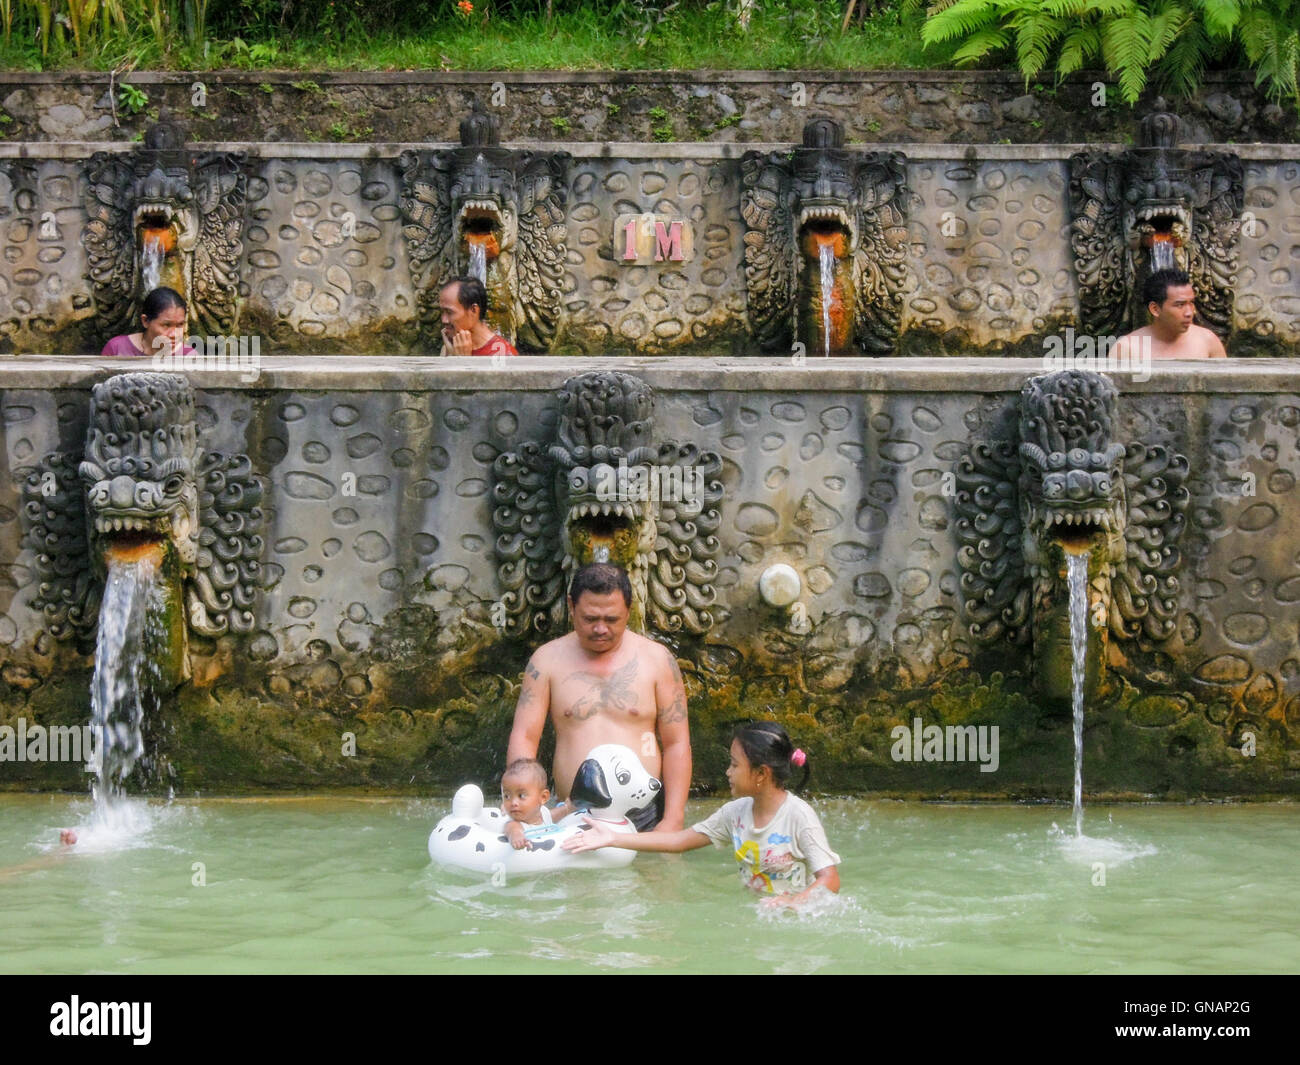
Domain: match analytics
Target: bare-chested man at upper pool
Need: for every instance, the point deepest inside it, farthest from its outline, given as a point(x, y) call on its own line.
point(604, 684)
point(1172, 332)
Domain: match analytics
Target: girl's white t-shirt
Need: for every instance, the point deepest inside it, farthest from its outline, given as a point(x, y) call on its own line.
point(784, 855)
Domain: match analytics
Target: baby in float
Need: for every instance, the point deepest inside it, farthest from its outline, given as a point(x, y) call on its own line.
point(525, 837)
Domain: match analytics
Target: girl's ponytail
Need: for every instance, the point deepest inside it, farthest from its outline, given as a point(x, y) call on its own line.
point(766, 743)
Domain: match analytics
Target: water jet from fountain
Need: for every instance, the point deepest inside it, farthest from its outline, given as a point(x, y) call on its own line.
point(1077, 575)
point(826, 261)
point(131, 621)
point(154, 252)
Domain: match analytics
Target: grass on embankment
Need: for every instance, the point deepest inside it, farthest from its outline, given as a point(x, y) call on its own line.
point(802, 37)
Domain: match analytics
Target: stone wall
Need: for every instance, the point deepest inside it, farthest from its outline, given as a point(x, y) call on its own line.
point(904, 106)
point(323, 265)
point(380, 575)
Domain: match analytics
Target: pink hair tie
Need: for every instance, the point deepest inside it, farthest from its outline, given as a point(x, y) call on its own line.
point(798, 758)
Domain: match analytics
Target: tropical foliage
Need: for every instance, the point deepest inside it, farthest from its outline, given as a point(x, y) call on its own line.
point(1170, 42)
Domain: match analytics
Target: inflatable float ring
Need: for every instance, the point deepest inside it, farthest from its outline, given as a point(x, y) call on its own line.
point(611, 780)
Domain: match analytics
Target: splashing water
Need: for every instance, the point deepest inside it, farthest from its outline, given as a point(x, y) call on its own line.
point(1162, 255)
point(151, 267)
point(1077, 574)
point(130, 616)
point(478, 261)
point(826, 260)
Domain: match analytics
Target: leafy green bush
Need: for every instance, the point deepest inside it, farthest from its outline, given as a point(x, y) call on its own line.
point(1169, 41)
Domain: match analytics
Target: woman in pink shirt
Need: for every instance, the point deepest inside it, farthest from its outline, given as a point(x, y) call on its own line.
point(163, 318)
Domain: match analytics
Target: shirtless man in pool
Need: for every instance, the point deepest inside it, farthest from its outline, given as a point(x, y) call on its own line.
point(1172, 333)
point(603, 684)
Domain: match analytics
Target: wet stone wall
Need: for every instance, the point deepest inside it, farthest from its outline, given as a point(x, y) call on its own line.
point(382, 555)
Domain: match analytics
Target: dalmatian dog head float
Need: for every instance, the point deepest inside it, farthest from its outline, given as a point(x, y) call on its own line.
point(611, 780)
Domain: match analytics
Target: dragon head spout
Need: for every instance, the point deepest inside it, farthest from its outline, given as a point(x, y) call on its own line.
point(826, 243)
point(141, 466)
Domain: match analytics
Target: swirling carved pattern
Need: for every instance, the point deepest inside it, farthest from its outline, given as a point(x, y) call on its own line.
point(221, 190)
point(540, 251)
point(227, 570)
point(426, 206)
point(1145, 598)
point(993, 577)
point(1097, 240)
point(67, 594)
point(766, 204)
point(1216, 229)
point(109, 242)
point(880, 262)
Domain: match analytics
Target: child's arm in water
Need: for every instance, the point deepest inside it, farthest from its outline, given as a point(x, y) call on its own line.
point(828, 878)
point(597, 836)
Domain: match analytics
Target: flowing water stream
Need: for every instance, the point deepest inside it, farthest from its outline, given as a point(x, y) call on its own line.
point(130, 615)
point(478, 261)
point(826, 260)
point(1078, 579)
point(151, 267)
point(1162, 255)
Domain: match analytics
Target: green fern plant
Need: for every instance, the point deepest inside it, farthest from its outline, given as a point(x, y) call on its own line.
point(1168, 41)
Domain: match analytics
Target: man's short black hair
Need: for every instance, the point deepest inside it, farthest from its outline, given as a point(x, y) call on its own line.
point(601, 578)
point(1155, 289)
point(470, 292)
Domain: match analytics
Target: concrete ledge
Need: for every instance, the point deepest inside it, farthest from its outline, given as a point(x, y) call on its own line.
point(765, 374)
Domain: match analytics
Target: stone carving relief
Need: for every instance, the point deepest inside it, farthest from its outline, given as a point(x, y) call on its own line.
point(1065, 483)
point(605, 490)
point(189, 206)
point(1150, 207)
point(501, 208)
point(145, 476)
point(825, 224)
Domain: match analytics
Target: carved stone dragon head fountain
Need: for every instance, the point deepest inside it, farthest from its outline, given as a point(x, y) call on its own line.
point(1065, 483)
point(825, 244)
point(504, 205)
point(145, 479)
point(1152, 207)
point(185, 209)
point(604, 490)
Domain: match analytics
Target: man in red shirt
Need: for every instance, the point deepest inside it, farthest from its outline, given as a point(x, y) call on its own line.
point(464, 304)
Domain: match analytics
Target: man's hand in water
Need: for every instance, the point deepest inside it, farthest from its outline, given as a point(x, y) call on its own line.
point(595, 837)
point(515, 834)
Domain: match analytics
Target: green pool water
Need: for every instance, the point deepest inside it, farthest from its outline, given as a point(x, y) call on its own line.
point(334, 885)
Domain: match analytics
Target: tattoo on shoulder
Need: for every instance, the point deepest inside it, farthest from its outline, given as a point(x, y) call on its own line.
point(532, 670)
point(675, 711)
point(677, 670)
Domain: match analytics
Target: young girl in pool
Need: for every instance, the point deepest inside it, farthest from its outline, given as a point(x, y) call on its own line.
point(777, 838)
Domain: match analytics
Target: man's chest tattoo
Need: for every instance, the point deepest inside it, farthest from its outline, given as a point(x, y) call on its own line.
point(598, 694)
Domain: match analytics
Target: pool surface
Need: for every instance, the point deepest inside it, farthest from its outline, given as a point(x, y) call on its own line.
point(342, 885)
